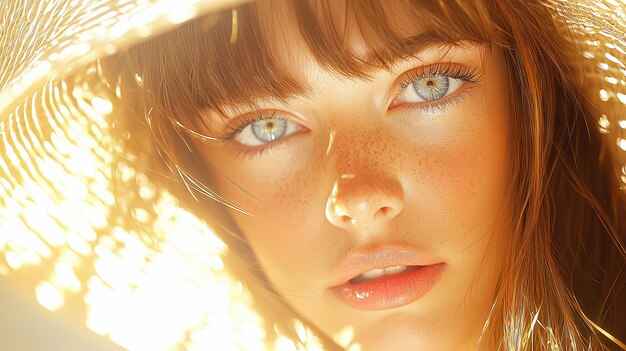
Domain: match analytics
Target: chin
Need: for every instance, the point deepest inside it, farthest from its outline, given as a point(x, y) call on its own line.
point(403, 334)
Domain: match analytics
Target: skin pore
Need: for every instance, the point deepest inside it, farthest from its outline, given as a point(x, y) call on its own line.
point(368, 164)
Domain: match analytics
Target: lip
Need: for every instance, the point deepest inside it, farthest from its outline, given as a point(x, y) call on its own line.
point(389, 291)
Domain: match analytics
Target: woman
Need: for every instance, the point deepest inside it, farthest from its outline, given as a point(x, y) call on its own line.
point(397, 175)
point(416, 181)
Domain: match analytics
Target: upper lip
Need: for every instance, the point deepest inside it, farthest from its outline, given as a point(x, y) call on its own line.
point(357, 262)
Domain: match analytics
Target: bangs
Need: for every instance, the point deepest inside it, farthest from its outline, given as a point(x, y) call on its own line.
point(197, 67)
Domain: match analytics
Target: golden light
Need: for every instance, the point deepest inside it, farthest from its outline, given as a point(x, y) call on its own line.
point(49, 296)
point(345, 336)
point(171, 295)
point(57, 193)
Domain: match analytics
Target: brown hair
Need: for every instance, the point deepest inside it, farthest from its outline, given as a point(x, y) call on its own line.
point(565, 258)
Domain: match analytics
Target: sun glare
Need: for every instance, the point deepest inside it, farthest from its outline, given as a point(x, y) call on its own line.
point(162, 288)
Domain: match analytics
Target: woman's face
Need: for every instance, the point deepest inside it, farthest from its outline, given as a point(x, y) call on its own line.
point(405, 170)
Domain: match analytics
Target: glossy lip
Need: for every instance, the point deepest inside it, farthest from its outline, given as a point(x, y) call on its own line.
point(389, 291)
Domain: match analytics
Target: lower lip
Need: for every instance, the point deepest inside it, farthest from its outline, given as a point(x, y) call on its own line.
point(389, 291)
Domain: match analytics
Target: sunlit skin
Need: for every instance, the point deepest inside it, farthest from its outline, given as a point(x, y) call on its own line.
point(440, 179)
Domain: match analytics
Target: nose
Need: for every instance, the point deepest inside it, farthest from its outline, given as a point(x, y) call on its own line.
point(364, 201)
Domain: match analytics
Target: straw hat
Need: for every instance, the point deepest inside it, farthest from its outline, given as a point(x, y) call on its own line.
point(76, 200)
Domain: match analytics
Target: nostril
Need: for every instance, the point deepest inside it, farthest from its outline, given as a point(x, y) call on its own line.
point(346, 219)
point(382, 212)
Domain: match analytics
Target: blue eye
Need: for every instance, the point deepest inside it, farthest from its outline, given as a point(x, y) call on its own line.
point(265, 130)
point(431, 88)
point(270, 129)
point(424, 87)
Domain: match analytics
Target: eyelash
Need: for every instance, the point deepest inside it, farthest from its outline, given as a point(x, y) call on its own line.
point(243, 122)
point(467, 74)
point(259, 151)
point(246, 119)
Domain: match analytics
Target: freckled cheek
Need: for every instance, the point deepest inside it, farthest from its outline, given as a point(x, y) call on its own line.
point(257, 180)
point(459, 183)
point(295, 229)
point(283, 196)
point(289, 185)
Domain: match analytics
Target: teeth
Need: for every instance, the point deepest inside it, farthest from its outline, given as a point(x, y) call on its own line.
point(394, 269)
point(379, 272)
point(374, 273)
